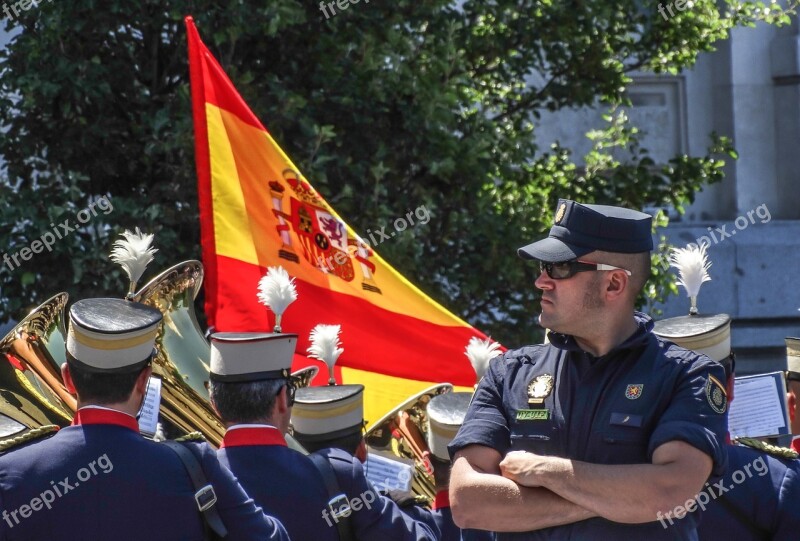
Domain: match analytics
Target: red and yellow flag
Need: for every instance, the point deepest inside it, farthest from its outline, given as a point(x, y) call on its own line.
point(257, 210)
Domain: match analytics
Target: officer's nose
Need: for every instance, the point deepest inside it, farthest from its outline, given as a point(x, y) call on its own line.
point(544, 282)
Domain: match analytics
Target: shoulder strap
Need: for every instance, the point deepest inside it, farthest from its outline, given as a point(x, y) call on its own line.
point(338, 504)
point(204, 496)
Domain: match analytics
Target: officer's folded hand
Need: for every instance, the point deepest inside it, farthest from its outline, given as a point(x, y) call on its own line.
point(524, 468)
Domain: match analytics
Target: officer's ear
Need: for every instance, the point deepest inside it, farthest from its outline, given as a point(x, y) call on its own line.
point(617, 284)
point(791, 400)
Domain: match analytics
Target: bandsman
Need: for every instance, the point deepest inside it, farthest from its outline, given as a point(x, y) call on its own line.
point(446, 414)
point(756, 499)
point(329, 421)
point(99, 478)
point(793, 388)
point(252, 390)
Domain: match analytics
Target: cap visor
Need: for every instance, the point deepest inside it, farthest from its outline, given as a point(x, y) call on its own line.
point(551, 250)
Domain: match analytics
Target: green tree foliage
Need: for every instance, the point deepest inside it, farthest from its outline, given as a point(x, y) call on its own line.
point(385, 106)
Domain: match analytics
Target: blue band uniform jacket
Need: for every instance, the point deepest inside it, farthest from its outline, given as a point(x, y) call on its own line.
point(284, 482)
point(758, 499)
point(100, 479)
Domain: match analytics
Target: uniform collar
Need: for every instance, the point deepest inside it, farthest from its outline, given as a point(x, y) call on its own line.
point(244, 435)
point(796, 444)
point(644, 326)
point(98, 415)
point(441, 501)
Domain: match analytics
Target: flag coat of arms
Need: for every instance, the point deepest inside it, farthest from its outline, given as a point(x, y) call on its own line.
point(257, 210)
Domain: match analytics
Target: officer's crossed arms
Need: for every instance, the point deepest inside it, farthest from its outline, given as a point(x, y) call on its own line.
point(538, 491)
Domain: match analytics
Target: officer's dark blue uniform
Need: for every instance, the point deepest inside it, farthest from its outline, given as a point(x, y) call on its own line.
point(761, 499)
point(100, 479)
point(615, 409)
point(376, 517)
point(284, 482)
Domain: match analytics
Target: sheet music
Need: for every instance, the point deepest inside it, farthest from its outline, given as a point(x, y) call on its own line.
point(148, 419)
point(758, 408)
point(389, 473)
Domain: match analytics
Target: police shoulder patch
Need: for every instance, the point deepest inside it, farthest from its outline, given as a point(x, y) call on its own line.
point(716, 394)
point(33, 434)
point(774, 450)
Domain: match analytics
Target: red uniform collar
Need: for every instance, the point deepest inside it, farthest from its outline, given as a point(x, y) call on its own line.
point(796, 444)
point(256, 435)
point(102, 416)
point(442, 500)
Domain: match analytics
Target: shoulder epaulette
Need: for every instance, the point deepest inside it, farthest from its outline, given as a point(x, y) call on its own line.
point(191, 436)
point(30, 435)
point(774, 450)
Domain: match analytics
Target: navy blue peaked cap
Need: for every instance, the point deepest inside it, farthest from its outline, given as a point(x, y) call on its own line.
point(580, 229)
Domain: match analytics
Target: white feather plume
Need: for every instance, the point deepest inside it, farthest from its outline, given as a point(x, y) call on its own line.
point(480, 352)
point(276, 290)
point(325, 346)
point(133, 253)
point(692, 264)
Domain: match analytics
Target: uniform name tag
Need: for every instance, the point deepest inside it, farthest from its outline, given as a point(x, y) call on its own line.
point(533, 415)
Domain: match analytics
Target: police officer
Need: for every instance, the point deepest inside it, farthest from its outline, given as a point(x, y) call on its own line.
point(252, 391)
point(330, 421)
point(756, 499)
point(446, 413)
point(610, 424)
point(793, 388)
point(99, 478)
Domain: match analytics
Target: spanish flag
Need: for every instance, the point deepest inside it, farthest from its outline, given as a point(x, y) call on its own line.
point(257, 210)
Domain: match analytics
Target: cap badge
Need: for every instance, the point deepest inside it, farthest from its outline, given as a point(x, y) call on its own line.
point(540, 388)
point(634, 391)
point(560, 213)
point(716, 394)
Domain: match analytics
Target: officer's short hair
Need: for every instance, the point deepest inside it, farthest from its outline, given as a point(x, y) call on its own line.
point(349, 444)
point(638, 263)
point(245, 402)
point(102, 387)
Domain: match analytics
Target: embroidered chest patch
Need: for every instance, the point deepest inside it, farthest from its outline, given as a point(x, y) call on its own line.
point(634, 391)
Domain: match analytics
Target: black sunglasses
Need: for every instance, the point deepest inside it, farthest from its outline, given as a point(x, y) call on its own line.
point(567, 269)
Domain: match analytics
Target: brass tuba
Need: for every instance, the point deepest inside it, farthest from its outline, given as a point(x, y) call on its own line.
point(403, 432)
point(182, 352)
point(31, 391)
